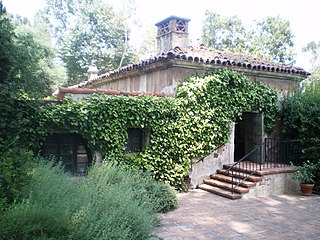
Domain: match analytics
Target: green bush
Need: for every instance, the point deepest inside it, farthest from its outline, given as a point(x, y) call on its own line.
point(31, 221)
point(160, 196)
point(15, 167)
point(301, 120)
point(110, 203)
point(110, 212)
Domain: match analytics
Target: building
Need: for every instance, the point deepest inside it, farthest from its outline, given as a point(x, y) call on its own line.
point(176, 60)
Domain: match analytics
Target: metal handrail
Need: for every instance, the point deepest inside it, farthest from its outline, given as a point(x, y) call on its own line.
point(269, 158)
point(246, 156)
point(233, 186)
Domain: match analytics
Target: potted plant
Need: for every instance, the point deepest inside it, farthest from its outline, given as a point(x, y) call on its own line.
point(305, 174)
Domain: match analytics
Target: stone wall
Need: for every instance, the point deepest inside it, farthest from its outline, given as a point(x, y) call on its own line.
point(274, 184)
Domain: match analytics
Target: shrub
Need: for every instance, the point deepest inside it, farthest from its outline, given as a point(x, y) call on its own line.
point(160, 195)
point(31, 221)
point(306, 172)
point(15, 167)
point(110, 203)
point(111, 212)
point(301, 119)
point(50, 196)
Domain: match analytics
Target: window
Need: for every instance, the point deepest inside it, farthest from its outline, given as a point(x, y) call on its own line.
point(163, 29)
point(137, 139)
point(181, 25)
point(71, 150)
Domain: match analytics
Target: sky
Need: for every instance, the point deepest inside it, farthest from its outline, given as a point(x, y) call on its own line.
point(304, 16)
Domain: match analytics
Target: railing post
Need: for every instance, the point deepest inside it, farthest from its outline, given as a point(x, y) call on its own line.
point(261, 154)
point(232, 181)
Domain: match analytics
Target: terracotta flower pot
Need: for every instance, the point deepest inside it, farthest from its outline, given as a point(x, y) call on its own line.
point(306, 188)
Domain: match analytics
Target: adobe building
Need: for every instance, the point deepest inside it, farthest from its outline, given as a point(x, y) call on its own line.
point(176, 60)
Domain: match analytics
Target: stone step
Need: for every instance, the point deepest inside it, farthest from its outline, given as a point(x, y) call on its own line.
point(241, 175)
point(219, 191)
point(224, 185)
point(235, 180)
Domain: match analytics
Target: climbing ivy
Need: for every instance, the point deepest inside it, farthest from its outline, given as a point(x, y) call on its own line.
point(191, 125)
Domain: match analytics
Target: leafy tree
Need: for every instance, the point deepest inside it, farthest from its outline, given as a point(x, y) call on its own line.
point(38, 72)
point(223, 33)
point(7, 53)
point(314, 49)
point(27, 59)
point(270, 38)
point(147, 48)
point(88, 33)
point(301, 120)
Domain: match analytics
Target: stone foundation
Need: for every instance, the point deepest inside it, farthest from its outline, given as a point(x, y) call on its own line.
point(274, 184)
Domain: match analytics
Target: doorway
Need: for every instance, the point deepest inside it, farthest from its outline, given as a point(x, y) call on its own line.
point(248, 135)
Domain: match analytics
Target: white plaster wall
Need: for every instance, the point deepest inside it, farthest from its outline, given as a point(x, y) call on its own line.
point(204, 168)
point(143, 83)
point(78, 97)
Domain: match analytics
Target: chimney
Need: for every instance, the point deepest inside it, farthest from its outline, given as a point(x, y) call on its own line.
point(92, 72)
point(172, 32)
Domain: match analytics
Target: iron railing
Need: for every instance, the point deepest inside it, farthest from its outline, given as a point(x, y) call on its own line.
point(280, 153)
point(272, 153)
point(247, 168)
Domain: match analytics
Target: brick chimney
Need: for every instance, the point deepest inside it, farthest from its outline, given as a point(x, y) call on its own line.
point(172, 32)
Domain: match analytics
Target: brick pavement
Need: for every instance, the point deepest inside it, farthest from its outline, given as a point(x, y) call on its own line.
point(203, 216)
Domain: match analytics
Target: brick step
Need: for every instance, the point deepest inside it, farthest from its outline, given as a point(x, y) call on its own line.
point(235, 180)
point(243, 168)
point(219, 191)
point(224, 185)
point(241, 175)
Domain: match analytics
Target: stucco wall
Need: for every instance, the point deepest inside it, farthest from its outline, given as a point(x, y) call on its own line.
point(274, 184)
point(166, 78)
point(203, 169)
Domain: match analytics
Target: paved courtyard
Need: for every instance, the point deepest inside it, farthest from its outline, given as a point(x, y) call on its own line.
point(203, 215)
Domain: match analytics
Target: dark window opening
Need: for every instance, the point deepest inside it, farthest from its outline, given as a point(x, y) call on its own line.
point(137, 139)
point(71, 150)
point(163, 29)
point(181, 26)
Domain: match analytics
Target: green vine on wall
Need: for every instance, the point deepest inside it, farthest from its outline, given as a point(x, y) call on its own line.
point(191, 125)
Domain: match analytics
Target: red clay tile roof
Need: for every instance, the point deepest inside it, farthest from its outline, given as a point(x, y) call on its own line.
point(209, 56)
point(63, 91)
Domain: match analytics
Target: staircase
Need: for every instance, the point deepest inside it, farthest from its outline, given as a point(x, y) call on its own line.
point(231, 184)
point(235, 180)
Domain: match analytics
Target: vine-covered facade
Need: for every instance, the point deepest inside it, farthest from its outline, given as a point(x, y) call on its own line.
point(184, 112)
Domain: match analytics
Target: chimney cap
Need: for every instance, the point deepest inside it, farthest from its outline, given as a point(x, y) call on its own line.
point(170, 18)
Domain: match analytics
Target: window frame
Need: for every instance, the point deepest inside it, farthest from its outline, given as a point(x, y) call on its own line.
point(56, 140)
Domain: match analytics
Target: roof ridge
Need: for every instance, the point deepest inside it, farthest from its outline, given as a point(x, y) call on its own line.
point(205, 55)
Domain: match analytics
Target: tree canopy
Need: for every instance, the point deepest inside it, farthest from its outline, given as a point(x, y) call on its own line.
point(8, 51)
point(223, 33)
point(87, 33)
point(314, 49)
point(27, 58)
point(270, 38)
